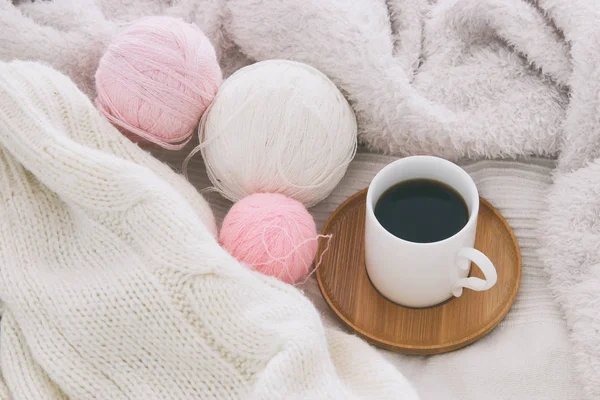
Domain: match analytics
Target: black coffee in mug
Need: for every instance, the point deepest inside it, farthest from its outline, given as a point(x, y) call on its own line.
point(422, 211)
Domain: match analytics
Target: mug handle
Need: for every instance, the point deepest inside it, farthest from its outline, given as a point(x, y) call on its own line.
point(484, 264)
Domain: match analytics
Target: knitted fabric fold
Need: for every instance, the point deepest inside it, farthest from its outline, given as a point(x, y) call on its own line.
point(114, 286)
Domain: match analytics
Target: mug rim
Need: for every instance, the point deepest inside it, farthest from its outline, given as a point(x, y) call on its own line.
point(473, 215)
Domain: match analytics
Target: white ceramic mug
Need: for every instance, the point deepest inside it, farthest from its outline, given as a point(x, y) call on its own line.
point(424, 274)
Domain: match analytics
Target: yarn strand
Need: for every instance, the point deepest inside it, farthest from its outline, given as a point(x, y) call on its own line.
point(294, 250)
point(319, 263)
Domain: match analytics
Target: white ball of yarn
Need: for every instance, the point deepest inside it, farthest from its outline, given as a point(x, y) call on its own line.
point(278, 127)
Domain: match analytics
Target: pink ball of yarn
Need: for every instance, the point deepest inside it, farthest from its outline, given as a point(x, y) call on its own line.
point(157, 79)
point(272, 234)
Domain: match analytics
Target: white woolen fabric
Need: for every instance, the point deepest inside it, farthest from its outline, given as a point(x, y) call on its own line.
point(509, 107)
point(486, 87)
point(470, 48)
point(570, 232)
point(528, 356)
point(570, 227)
point(488, 103)
point(114, 286)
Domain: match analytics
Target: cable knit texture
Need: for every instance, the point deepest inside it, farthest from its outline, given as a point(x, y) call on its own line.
point(114, 286)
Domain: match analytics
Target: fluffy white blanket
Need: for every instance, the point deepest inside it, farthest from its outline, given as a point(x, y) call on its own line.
point(511, 100)
point(459, 79)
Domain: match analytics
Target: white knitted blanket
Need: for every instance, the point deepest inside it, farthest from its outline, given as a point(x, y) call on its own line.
point(113, 285)
point(463, 79)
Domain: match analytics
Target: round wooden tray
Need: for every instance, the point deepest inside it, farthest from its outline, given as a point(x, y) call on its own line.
point(344, 283)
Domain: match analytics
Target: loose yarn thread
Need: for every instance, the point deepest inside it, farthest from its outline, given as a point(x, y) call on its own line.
point(285, 271)
point(157, 79)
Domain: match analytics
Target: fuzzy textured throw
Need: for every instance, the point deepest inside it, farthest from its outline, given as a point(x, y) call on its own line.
point(461, 79)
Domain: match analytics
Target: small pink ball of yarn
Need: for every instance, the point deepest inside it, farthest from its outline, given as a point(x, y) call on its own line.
point(272, 234)
point(157, 79)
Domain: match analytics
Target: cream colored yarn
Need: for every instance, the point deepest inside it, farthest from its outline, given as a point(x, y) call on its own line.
point(278, 126)
point(114, 286)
